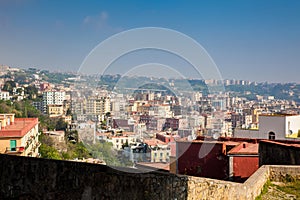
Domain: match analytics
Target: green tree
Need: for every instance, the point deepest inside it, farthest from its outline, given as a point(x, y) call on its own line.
point(31, 91)
point(8, 86)
point(104, 151)
point(61, 125)
point(77, 150)
point(49, 152)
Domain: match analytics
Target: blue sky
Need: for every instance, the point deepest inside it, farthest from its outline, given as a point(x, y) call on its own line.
point(248, 39)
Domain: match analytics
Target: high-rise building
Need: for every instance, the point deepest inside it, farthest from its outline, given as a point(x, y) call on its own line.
point(98, 105)
point(53, 98)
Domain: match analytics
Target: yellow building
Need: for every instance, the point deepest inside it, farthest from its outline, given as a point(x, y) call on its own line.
point(55, 110)
point(19, 136)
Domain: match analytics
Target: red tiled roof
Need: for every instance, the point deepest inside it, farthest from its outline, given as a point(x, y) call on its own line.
point(19, 128)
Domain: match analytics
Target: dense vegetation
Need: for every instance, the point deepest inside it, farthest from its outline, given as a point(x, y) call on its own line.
point(68, 151)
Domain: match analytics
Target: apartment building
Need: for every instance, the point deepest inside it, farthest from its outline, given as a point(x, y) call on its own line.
point(53, 98)
point(19, 136)
point(98, 105)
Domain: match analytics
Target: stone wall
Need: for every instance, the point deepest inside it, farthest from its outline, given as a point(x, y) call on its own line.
point(252, 187)
point(33, 178)
point(282, 173)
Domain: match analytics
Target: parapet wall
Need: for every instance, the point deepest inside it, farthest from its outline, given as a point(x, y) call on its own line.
point(282, 173)
point(33, 178)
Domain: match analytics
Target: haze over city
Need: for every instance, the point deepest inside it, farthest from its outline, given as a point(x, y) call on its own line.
point(149, 99)
point(250, 40)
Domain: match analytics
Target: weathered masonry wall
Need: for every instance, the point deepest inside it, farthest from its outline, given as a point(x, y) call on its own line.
point(281, 173)
point(274, 153)
point(33, 178)
point(204, 188)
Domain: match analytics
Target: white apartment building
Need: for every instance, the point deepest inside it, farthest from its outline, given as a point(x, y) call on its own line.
point(53, 98)
point(119, 141)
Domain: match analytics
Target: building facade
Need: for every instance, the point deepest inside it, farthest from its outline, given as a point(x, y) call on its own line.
point(273, 127)
point(53, 98)
point(98, 106)
point(19, 136)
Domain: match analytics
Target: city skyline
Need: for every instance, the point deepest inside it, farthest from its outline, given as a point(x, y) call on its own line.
point(248, 40)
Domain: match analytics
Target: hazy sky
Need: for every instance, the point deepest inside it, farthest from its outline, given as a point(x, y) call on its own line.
point(248, 39)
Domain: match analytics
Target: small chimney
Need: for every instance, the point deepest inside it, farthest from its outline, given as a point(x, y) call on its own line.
point(244, 145)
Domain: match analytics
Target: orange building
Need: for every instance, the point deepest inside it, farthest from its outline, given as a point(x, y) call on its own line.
point(19, 136)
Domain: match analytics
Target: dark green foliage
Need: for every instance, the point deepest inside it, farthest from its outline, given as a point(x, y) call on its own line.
point(46, 149)
point(8, 86)
point(76, 151)
point(32, 92)
point(60, 125)
point(49, 152)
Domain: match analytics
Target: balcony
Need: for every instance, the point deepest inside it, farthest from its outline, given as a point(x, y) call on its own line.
point(15, 151)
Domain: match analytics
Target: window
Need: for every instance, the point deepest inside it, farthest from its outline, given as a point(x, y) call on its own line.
point(13, 145)
point(271, 136)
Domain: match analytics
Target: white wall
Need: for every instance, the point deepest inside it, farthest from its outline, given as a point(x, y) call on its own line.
point(292, 123)
point(280, 125)
point(274, 124)
point(246, 133)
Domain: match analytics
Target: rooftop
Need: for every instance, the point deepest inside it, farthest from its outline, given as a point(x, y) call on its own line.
point(154, 142)
point(278, 115)
point(19, 128)
point(245, 148)
point(284, 143)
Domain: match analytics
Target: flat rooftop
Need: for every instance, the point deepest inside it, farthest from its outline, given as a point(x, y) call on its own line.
point(19, 128)
point(278, 115)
